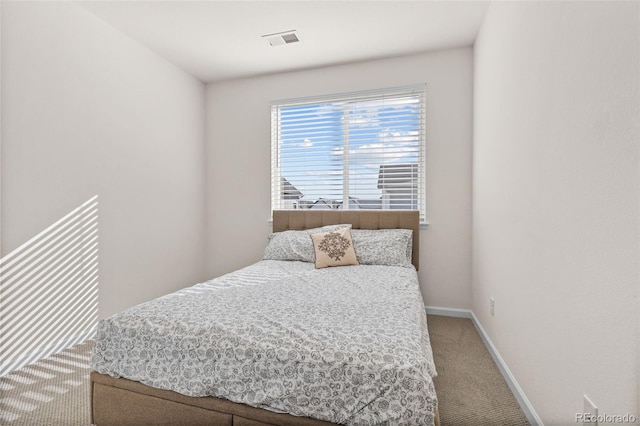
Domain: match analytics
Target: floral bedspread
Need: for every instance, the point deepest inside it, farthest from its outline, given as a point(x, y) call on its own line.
point(347, 344)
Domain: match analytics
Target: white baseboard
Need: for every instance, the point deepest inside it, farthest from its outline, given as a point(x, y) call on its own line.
point(517, 391)
point(448, 312)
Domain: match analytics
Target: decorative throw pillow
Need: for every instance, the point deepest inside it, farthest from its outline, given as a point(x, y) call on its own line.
point(334, 248)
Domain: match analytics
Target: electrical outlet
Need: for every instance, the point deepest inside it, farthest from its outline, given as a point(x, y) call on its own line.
point(589, 412)
point(492, 306)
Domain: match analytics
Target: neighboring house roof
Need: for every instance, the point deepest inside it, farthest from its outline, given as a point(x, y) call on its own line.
point(322, 203)
point(305, 204)
point(359, 203)
point(370, 204)
point(290, 192)
point(327, 203)
point(391, 176)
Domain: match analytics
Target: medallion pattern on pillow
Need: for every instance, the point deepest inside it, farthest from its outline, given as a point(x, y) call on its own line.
point(335, 245)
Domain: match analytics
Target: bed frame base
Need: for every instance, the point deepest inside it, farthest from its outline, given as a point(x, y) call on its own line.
point(122, 402)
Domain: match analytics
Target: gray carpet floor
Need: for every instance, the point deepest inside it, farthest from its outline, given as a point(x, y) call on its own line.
point(471, 390)
point(51, 392)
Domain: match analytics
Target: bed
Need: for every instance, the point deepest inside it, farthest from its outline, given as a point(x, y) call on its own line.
point(274, 345)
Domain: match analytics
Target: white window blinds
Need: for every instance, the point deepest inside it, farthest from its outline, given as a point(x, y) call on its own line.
point(363, 150)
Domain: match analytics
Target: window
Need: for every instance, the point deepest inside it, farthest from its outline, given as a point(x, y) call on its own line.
point(361, 150)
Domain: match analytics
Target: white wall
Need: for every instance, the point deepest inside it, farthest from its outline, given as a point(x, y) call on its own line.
point(238, 161)
point(86, 111)
point(556, 200)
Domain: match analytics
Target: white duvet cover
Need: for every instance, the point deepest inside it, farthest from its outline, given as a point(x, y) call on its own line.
point(346, 344)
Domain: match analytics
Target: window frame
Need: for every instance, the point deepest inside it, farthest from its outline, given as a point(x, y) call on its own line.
point(276, 184)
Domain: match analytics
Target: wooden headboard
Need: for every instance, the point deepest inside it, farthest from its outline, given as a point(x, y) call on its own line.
point(284, 220)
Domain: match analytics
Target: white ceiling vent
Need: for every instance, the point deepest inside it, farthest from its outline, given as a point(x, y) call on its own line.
point(285, 37)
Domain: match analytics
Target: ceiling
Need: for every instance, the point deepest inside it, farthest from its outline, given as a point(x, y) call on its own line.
point(220, 40)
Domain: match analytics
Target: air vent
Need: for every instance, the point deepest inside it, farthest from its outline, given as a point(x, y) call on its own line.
point(285, 37)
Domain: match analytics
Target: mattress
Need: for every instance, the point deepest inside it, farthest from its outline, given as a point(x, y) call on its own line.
point(348, 345)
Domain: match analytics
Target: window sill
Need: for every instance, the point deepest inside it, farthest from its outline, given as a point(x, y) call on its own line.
point(424, 225)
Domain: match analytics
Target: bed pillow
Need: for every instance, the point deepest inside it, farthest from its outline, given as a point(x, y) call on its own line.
point(391, 247)
point(295, 245)
point(334, 248)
